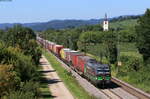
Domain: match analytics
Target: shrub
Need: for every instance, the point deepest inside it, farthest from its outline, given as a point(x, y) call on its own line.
point(32, 87)
point(132, 61)
point(8, 79)
point(23, 65)
point(20, 95)
point(34, 51)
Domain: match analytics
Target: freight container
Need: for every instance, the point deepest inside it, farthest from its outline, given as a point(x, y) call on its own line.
point(49, 44)
point(63, 53)
point(74, 58)
point(57, 49)
point(68, 55)
point(52, 47)
point(82, 60)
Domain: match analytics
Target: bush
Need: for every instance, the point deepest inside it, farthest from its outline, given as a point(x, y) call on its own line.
point(34, 51)
point(23, 65)
point(32, 87)
point(127, 72)
point(8, 79)
point(23, 38)
point(20, 95)
point(131, 61)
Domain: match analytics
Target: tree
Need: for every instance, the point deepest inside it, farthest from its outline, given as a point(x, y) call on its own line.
point(110, 40)
point(19, 52)
point(23, 38)
point(87, 38)
point(23, 64)
point(19, 35)
point(2, 33)
point(8, 79)
point(143, 35)
point(34, 51)
point(127, 35)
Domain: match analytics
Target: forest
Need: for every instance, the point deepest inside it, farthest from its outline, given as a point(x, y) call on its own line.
point(127, 41)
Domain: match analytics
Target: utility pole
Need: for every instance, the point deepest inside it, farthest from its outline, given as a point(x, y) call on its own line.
point(45, 42)
point(85, 49)
point(69, 42)
point(118, 51)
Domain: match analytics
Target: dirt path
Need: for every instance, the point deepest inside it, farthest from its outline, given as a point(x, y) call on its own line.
point(56, 86)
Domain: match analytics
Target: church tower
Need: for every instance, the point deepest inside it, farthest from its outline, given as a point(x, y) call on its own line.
point(105, 24)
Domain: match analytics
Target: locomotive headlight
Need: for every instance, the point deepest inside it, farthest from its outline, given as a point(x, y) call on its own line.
point(107, 77)
point(100, 78)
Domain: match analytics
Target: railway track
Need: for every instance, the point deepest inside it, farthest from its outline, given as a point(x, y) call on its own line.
point(110, 94)
point(118, 89)
point(134, 91)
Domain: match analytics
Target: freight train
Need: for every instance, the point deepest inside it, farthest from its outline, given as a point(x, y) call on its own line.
point(86, 66)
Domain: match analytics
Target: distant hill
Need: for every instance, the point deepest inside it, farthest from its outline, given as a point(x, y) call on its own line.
point(55, 24)
point(63, 24)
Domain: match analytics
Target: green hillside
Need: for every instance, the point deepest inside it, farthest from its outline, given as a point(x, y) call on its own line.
point(124, 23)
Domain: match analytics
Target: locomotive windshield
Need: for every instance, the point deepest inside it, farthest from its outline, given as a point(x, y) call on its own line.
point(103, 70)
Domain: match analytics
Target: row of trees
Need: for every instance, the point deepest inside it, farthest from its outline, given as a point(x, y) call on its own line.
point(19, 58)
point(143, 35)
point(83, 37)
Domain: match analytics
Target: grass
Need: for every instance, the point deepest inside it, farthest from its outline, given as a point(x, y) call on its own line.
point(136, 54)
point(128, 47)
point(70, 82)
point(135, 79)
point(45, 93)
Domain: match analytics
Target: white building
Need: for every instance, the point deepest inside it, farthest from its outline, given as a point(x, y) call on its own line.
point(105, 24)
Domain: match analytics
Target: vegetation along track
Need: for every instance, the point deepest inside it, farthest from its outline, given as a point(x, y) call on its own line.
point(114, 91)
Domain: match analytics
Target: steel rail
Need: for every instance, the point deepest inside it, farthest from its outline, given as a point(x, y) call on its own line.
point(130, 89)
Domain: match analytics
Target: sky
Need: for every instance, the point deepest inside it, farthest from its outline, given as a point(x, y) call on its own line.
point(27, 11)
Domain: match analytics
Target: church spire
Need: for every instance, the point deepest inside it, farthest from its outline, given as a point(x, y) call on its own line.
point(106, 17)
point(105, 23)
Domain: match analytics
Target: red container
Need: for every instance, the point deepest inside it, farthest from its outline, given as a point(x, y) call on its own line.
point(57, 49)
point(82, 60)
point(68, 55)
point(74, 58)
point(49, 44)
point(52, 47)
